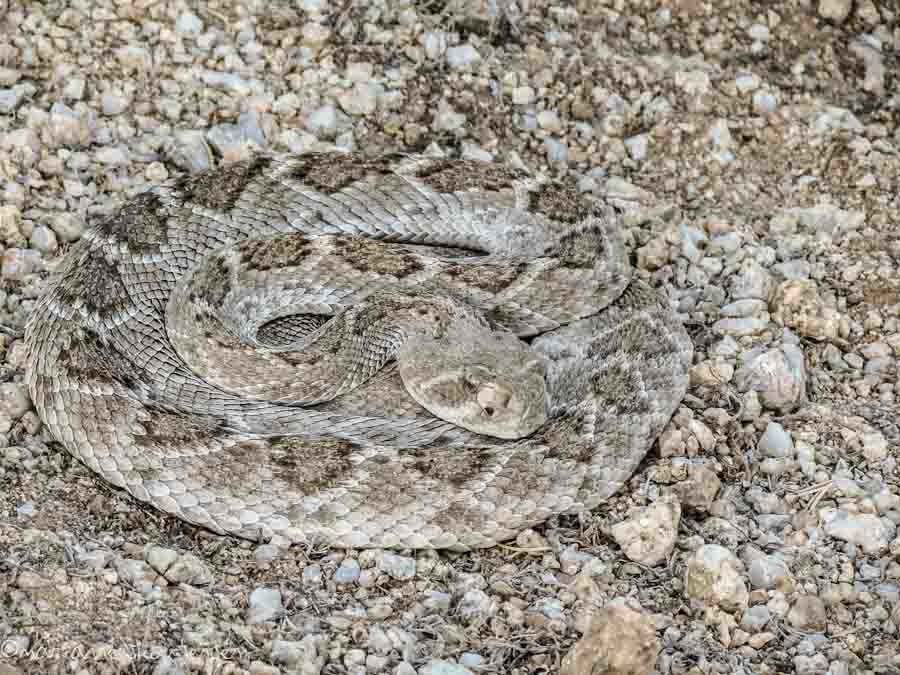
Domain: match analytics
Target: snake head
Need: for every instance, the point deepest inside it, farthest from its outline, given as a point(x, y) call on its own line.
point(488, 382)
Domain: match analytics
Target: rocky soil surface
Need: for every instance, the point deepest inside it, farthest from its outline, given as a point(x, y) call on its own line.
point(753, 146)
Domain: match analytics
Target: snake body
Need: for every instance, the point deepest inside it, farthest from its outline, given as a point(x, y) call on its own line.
point(399, 351)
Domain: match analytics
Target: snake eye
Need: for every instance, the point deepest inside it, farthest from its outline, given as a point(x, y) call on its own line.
point(492, 398)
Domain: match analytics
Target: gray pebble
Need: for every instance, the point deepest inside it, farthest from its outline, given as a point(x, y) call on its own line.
point(776, 442)
point(741, 327)
point(68, 226)
point(230, 82)
point(74, 89)
point(765, 102)
point(14, 400)
point(347, 572)
point(114, 103)
point(265, 605)
point(755, 618)
point(113, 156)
point(437, 600)
point(768, 571)
point(637, 146)
point(189, 23)
point(552, 608)
point(835, 10)
point(867, 530)
point(70, 128)
point(190, 151)
point(435, 44)
point(166, 665)
point(441, 667)
point(238, 141)
point(44, 239)
point(138, 573)
point(360, 100)
point(447, 118)
point(777, 375)
point(303, 654)
point(160, 558)
point(471, 659)
point(714, 578)
point(312, 575)
point(19, 263)
point(11, 99)
point(24, 146)
point(808, 613)
point(476, 605)
point(751, 281)
point(557, 151)
point(324, 121)
point(378, 640)
point(134, 58)
point(462, 56)
point(266, 553)
point(189, 569)
point(397, 566)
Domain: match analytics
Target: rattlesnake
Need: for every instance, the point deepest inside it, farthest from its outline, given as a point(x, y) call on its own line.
point(400, 351)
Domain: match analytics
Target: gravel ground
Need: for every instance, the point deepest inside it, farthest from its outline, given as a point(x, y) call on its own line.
point(754, 148)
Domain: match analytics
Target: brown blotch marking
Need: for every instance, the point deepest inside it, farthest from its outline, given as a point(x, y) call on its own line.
point(455, 466)
point(284, 251)
point(457, 175)
point(95, 282)
point(458, 514)
point(140, 223)
point(332, 172)
point(371, 256)
point(639, 296)
point(581, 247)
point(215, 330)
point(168, 429)
point(567, 438)
point(220, 188)
point(86, 357)
point(330, 342)
point(489, 279)
point(309, 466)
point(559, 201)
point(213, 282)
point(370, 315)
point(653, 341)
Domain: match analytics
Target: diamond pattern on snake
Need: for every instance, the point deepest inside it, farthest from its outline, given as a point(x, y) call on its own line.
point(399, 351)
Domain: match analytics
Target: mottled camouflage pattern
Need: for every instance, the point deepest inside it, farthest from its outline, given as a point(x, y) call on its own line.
point(223, 347)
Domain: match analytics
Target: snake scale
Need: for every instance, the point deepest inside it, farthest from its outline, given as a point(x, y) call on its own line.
point(398, 351)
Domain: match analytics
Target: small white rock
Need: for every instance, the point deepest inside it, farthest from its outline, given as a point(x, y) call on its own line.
point(347, 572)
point(441, 667)
point(189, 23)
point(776, 442)
point(713, 577)
point(265, 605)
point(648, 536)
point(523, 95)
point(462, 56)
point(835, 10)
point(637, 146)
point(866, 530)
